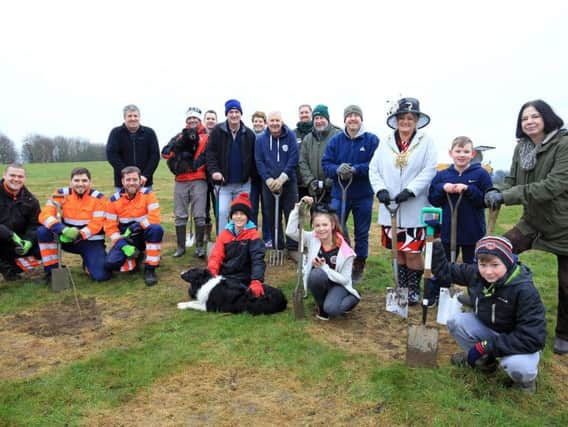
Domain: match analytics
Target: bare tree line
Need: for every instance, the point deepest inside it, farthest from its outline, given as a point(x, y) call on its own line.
point(38, 148)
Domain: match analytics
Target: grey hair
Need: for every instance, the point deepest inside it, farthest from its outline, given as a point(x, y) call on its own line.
point(128, 108)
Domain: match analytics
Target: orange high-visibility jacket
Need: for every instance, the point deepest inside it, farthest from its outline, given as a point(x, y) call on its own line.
point(144, 209)
point(86, 212)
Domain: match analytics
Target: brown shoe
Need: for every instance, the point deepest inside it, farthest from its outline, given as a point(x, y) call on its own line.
point(358, 268)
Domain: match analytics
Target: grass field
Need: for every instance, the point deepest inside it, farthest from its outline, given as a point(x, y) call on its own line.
point(131, 358)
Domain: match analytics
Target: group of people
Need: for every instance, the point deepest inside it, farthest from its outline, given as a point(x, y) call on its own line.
point(336, 171)
point(77, 219)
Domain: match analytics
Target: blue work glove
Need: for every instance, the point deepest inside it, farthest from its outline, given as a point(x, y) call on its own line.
point(384, 197)
point(476, 352)
point(493, 199)
point(403, 196)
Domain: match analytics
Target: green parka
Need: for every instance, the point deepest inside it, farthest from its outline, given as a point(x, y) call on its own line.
point(311, 152)
point(543, 192)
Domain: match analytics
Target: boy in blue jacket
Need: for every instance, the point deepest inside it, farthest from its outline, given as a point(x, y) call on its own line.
point(470, 182)
point(508, 318)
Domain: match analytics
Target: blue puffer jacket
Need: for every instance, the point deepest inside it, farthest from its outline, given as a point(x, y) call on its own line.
point(471, 211)
point(358, 152)
point(274, 155)
point(512, 306)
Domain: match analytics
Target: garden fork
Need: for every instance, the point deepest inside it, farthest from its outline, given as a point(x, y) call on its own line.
point(276, 255)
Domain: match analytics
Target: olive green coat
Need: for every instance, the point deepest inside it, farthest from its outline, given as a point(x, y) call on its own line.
point(543, 192)
point(311, 152)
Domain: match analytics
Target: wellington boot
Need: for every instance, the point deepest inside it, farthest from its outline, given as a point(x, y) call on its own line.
point(180, 239)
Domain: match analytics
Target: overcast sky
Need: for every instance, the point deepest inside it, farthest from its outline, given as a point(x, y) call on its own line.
point(68, 67)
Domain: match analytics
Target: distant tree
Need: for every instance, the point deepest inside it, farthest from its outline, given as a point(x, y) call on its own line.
point(41, 149)
point(8, 152)
point(499, 176)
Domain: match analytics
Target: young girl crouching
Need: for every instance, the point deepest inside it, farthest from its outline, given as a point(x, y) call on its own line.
point(328, 262)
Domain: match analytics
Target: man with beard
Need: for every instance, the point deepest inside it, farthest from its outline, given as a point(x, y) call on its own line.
point(311, 152)
point(79, 228)
point(19, 210)
point(132, 223)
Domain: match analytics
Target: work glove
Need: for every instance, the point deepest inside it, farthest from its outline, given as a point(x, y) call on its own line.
point(256, 288)
point(476, 352)
point(328, 182)
point(129, 250)
point(22, 246)
point(69, 235)
point(384, 196)
point(313, 188)
point(493, 199)
point(345, 171)
point(403, 196)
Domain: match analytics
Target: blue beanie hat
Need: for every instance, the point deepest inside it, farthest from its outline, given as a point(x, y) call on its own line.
point(232, 103)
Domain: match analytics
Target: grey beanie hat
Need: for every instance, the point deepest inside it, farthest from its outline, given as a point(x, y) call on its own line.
point(352, 109)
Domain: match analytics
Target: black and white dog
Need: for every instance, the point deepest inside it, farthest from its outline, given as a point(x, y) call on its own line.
point(219, 294)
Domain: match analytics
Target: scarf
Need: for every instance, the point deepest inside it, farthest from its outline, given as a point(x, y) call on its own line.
point(528, 150)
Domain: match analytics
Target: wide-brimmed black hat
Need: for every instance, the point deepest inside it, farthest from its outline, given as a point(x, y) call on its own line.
point(407, 105)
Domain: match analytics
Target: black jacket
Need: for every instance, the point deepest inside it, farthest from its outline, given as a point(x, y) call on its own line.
point(514, 308)
point(139, 149)
point(19, 215)
point(218, 149)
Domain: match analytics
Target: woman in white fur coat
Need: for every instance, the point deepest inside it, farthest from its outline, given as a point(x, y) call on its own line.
point(328, 263)
point(400, 172)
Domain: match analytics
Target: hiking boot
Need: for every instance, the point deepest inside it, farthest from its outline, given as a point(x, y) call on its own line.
point(180, 239)
point(321, 315)
point(358, 268)
point(528, 387)
point(485, 364)
point(459, 359)
point(560, 346)
point(44, 279)
point(150, 277)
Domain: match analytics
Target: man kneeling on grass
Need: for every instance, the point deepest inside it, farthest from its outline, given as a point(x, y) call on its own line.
point(508, 317)
point(132, 222)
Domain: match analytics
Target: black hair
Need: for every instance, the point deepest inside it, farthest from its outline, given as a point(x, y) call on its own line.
point(549, 117)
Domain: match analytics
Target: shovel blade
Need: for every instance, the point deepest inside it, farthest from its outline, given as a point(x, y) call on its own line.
point(189, 240)
point(448, 306)
point(397, 301)
point(60, 279)
point(422, 347)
